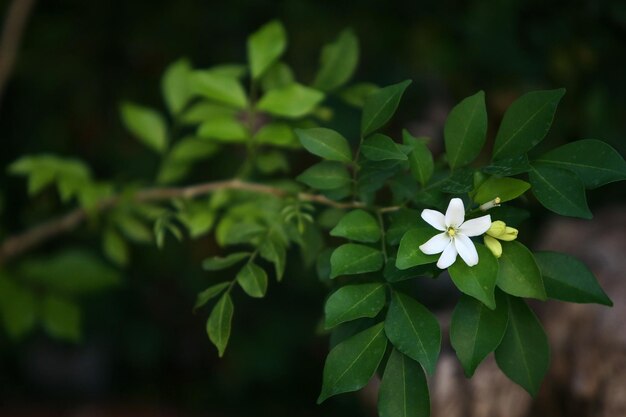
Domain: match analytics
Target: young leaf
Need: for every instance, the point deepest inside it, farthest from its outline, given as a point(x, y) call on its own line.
point(61, 318)
point(465, 130)
point(352, 259)
point(277, 134)
point(224, 129)
point(292, 101)
point(253, 279)
point(413, 330)
point(174, 85)
point(381, 148)
point(505, 188)
point(409, 253)
point(595, 162)
point(420, 158)
point(559, 191)
point(217, 263)
point(325, 143)
point(326, 175)
point(380, 106)
point(403, 390)
point(279, 75)
point(518, 273)
point(211, 292)
point(526, 122)
point(352, 363)
point(568, 279)
point(523, 354)
point(476, 331)
point(478, 281)
point(146, 124)
point(219, 323)
point(352, 302)
point(338, 62)
point(357, 225)
point(265, 46)
point(218, 87)
point(356, 94)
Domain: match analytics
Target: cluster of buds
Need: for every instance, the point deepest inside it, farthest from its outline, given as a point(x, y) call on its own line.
point(498, 231)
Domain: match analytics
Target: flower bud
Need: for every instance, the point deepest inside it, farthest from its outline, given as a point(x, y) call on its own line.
point(493, 245)
point(497, 228)
point(510, 233)
point(491, 204)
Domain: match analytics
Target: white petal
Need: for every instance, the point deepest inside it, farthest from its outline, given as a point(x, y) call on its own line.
point(476, 227)
point(455, 213)
point(436, 244)
point(435, 219)
point(448, 256)
point(466, 249)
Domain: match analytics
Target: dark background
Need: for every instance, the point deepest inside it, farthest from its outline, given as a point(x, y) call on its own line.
point(143, 350)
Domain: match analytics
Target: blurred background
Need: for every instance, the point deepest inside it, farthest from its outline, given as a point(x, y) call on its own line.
point(143, 352)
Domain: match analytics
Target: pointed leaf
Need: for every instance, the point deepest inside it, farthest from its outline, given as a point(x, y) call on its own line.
point(216, 263)
point(357, 225)
point(352, 302)
point(505, 188)
point(478, 281)
point(338, 62)
point(420, 158)
point(146, 124)
point(219, 323)
point(560, 191)
point(350, 259)
point(174, 85)
point(325, 143)
point(265, 46)
point(253, 279)
point(518, 273)
point(292, 101)
point(381, 148)
point(211, 292)
point(380, 106)
point(219, 87)
point(465, 130)
point(403, 390)
point(326, 175)
point(409, 253)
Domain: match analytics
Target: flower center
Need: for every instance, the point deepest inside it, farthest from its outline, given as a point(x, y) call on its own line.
point(451, 231)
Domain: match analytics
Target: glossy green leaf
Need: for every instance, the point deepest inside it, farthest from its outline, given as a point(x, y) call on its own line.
point(393, 274)
point(325, 143)
point(413, 330)
point(478, 281)
point(401, 221)
point(174, 85)
point(505, 188)
point(568, 279)
point(357, 225)
point(403, 389)
point(518, 273)
point(352, 259)
point(356, 94)
point(326, 175)
point(217, 263)
point(381, 148)
point(353, 362)
point(219, 323)
point(465, 130)
point(211, 292)
point(595, 162)
point(218, 87)
point(265, 46)
point(524, 353)
point(338, 62)
point(560, 191)
point(460, 181)
point(476, 330)
point(253, 279)
point(420, 158)
point(380, 106)
point(509, 166)
point(145, 124)
point(223, 129)
point(61, 318)
point(409, 253)
point(292, 101)
point(352, 302)
point(526, 122)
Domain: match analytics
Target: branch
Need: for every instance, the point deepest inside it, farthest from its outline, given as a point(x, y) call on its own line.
point(16, 245)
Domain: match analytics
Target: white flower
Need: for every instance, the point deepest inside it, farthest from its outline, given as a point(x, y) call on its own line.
point(455, 238)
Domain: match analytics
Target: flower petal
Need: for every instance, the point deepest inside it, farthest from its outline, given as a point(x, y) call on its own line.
point(435, 219)
point(466, 249)
point(435, 244)
point(448, 256)
point(476, 227)
point(455, 213)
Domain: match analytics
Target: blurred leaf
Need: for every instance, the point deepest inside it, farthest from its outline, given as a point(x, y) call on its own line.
point(265, 46)
point(277, 134)
point(380, 106)
point(381, 148)
point(61, 318)
point(132, 227)
point(292, 101)
point(203, 111)
point(559, 191)
point(325, 143)
point(357, 225)
point(465, 130)
point(18, 308)
point(356, 94)
point(518, 273)
point(219, 323)
point(217, 263)
point(225, 129)
point(351, 302)
point(403, 389)
point(420, 158)
point(326, 175)
point(338, 62)
point(278, 76)
point(350, 259)
point(274, 251)
point(253, 280)
point(174, 85)
point(115, 247)
point(505, 188)
point(478, 281)
point(272, 162)
point(145, 124)
point(219, 87)
point(210, 293)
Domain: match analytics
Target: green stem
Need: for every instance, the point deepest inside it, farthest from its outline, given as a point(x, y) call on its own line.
point(381, 224)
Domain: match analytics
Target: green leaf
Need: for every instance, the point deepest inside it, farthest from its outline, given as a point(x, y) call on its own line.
point(272, 162)
point(211, 292)
point(253, 279)
point(146, 124)
point(381, 148)
point(352, 259)
point(277, 134)
point(404, 389)
point(217, 263)
point(393, 274)
point(409, 253)
point(478, 281)
point(60, 318)
point(523, 354)
point(460, 181)
point(265, 46)
point(219, 323)
point(338, 62)
point(357, 225)
point(18, 308)
point(509, 166)
point(326, 175)
point(595, 162)
point(132, 227)
point(278, 76)
point(505, 188)
point(420, 158)
point(401, 221)
point(356, 94)
point(218, 87)
point(568, 279)
point(292, 101)
point(203, 110)
point(518, 273)
point(325, 143)
point(559, 191)
point(115, 247)
point(352, 363)
point(352, 302)
point(476, 331)
point(380, 106)
point(174, 85)
point(465, 130)
point(224, 129)
point(413, 330)
point(274, 251)
point(526, 122)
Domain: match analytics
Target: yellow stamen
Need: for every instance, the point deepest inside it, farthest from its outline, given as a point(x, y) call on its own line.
point(451, 231)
